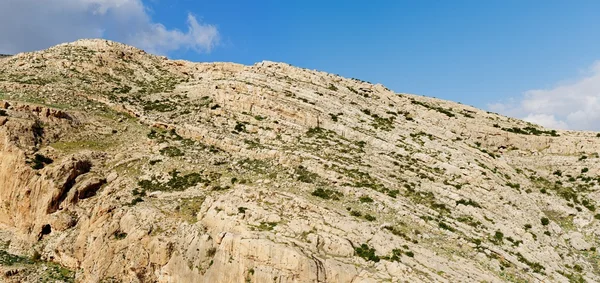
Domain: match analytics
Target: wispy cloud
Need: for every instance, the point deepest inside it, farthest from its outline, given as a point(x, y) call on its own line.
point(568, 105)
point(27, 25)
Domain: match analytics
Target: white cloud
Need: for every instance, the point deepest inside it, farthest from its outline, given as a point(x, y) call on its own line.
point(159, 39)
point(546, 120)
point(27, 25)
point(569, 105)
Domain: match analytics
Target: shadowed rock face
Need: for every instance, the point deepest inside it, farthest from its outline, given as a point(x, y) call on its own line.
point(120, 165)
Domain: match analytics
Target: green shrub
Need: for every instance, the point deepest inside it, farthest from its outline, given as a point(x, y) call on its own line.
point(365, 199)
point(136, 201)
point(120, 235)
point(267, 226)
point(369, 217)
point(39, 161)
point(171, 151)
point(240, 127)
point(445, 226)
point(545, 221)
point(498, 237)
point(7, 259)
point(514, 185)
point(366, 253)
point(334, 117)
point(468, 202)
point(531, 131)
point(585, 170)
point(537, 268)
point(327, 194)
point(3, 113)
point(306, 176)
point(332, 87)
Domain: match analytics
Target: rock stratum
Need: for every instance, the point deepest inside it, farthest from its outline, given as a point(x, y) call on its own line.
point(121, 166)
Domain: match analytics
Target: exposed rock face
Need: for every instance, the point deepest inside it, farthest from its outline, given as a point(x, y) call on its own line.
point(123, 166)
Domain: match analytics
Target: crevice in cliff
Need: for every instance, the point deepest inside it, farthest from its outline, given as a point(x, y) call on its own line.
point(79, 168)
point(46, 229)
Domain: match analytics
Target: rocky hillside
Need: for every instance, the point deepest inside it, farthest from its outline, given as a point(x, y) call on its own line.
point(121, 166)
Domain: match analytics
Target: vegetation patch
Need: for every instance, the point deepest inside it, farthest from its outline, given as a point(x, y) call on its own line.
point(327, 194)
point(175, 183)
point(531, 131)
point(267, 226)
point(366, 253)
point(160, 106)
point(305, 176)
point(39, 161)
point(468, 202)
point(171, 151)
point(448, 112)
point(7, 259)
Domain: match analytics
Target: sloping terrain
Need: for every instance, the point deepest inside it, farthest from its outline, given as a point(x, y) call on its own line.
point(120, 166)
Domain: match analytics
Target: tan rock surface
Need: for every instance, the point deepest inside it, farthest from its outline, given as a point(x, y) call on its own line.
point(120, 166)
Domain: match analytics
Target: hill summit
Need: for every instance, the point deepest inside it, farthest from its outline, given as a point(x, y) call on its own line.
point(121, 166)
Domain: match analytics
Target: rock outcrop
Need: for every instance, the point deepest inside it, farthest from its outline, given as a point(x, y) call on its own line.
point(121, 166)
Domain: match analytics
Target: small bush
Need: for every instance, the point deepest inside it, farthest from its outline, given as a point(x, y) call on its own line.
point(3, 113)
point(369, 217)
point(445, 226)
point(327, 194)
point(545, 221)
point(585, 170)
point(334, 117)
point(305, 176)
point(514, 186)
point(367, 253)
point(211, 252)
point(120, 235)
point(332, 87)
point(498, 237)
point(468, 202)
point(171, 151)
point(39, 161)
point(267, 226)
point(365, 199)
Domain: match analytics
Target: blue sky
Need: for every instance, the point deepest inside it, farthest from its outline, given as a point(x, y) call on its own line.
point(475, 52)
point(528, 59)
